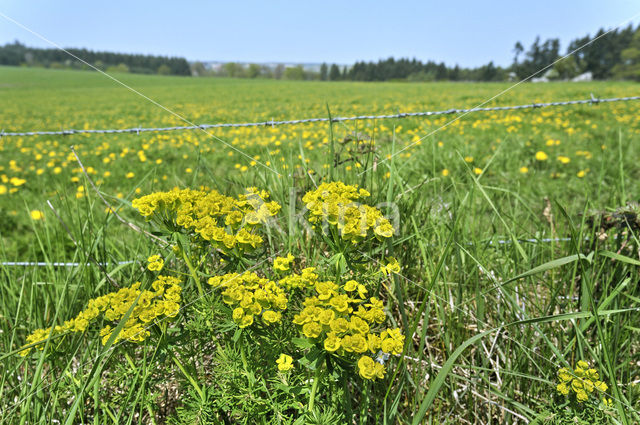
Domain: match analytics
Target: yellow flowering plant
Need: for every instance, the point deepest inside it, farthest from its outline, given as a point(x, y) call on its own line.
point(580, 397)
point(229, 225)
point(338, 213)
point(143, 306)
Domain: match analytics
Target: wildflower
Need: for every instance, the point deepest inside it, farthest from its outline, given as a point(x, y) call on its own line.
point(281, 263)
point(524, 170)
point(37, 215)
point(212, 217)
point(163, 300)
point(564, 159)
point(285, 362)
point(445, 172)
point(336, 204)
point(369, 369)
point(392, 266)
point(541, 156)
point(477, 171)
point(155, 263)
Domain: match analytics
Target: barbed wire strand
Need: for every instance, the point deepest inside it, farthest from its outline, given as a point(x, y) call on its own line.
point(593, 100)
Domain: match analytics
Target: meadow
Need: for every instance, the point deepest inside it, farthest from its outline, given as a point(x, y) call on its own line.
point(513, 256)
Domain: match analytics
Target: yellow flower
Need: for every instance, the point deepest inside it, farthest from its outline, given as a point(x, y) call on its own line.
point(282, 263)
point(564, 375)
point(155, 263)
point(562, 389)
point(445, 172)
point(369, 369)
point(581, 174)
point(130, 175)
point(285, 362)
point(3, 189)
point(524, 170)
point(564, 159)
point(37, 215)
point(271, 317)
point(332, 342)
point(541, 156)
point(392, 266)
point(477, 171)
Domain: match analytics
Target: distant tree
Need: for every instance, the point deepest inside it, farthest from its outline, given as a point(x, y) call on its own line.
point(253, 71)
point(454, 74)
point(198, 69)
point(164, 69)
point(118, 68)
point(232, 69)
point(629, 68)
point(278, 72)
point(294, 73)
point(334, 73)
point(324, 72)
point(566, 68)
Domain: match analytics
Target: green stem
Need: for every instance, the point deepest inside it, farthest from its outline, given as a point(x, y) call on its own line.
point(194, 275)
point(314, 388)
point(193, 382)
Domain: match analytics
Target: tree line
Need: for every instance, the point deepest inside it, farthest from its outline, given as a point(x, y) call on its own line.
point(17, 54)
point(614, 55)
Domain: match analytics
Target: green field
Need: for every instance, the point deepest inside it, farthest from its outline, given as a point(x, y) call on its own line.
point(516, 233)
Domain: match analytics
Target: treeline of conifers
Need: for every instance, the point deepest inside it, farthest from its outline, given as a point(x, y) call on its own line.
point(17, 54)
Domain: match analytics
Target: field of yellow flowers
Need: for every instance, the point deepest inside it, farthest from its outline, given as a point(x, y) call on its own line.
point(452, 269)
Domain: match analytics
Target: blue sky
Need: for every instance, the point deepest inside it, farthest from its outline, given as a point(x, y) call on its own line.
point(469, 33)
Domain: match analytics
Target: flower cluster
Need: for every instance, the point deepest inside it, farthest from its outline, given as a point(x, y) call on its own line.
point(342, 318)
point(284, 362)
point(251, 296)
point(229, 224)
point(582, 381)
point(306, 279)
point(163, 300)
point(335, 203)
point(392, 266)
point(283, 263)
point(156, 263)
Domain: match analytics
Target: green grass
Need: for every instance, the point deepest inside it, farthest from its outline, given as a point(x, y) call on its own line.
point(488, 324)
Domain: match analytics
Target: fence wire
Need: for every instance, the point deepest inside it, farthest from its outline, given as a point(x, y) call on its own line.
point(272, 123)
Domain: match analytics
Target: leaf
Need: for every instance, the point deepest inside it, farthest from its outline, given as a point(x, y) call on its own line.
point(619, 257)
point(303, 343)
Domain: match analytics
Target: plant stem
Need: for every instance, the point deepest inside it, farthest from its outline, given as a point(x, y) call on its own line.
point(192, 270)
point(193, 382)
point(314, 388)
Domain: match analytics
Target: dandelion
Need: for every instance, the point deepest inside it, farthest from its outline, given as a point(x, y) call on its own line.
point(477, 171)
point(541, 156)
point(524, 170)
point(564, 159)
point(445, 172)
point(37, 215)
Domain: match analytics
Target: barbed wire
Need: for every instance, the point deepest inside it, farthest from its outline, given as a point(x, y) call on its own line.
point(272, 123)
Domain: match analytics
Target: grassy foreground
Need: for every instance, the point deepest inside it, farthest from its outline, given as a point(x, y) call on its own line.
point(489, 309)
